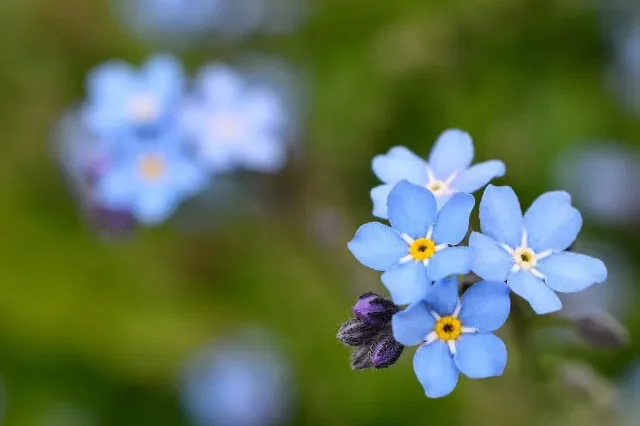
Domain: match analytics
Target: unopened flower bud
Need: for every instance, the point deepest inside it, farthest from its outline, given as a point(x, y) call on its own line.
point(385, 352)
point(601, 330)
point(360, 359)
point(110, 222)
point(374, 309)
point(356, 333)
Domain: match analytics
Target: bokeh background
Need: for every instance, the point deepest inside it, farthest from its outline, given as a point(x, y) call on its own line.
point(100, 332)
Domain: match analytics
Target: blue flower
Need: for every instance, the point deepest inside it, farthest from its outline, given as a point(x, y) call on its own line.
point(152, 179)
point(529, 252)
point(121, 98)
point(416, 250)
point(446, 173)
point(455, 335)
point(235, 125)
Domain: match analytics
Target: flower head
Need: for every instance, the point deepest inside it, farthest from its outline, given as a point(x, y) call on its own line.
point(455, 335)
point(151, 179)
point(446, 173)
point(417, 249)
point(529, 252)
point(235, 125)
point(123, 99)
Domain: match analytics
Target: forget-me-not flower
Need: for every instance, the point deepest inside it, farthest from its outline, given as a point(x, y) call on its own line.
point(455, 335)
point(235, 125)
point(445, 173)
point(122, 99)
point(529, 252)
point(152, 179)
point(416, 250)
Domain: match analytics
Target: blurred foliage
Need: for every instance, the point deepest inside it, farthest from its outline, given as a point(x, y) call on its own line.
point(106, 325)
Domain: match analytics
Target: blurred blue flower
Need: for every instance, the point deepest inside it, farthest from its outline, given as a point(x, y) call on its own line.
point(122, 99)
point(445, 173)
point(529, 252)
point(243, 382)
point(455, 335)
point(152, 179)
point(234, 125)
point(416, 250)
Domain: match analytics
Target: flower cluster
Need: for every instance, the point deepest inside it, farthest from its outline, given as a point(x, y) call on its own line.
point(147, 139)
point(428, 205)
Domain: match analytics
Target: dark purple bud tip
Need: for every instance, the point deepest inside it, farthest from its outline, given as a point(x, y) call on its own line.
point(109, 222)
point(357, 333)
point(374, 309)
point(361, 359)
point(385, 352)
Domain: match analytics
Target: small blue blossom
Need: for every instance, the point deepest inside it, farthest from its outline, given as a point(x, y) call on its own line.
point(235, 125)
point(122, 99)
point(455, 335)
point(417, 249)
point(447, 171)
point(152, 179)
point(529, 252)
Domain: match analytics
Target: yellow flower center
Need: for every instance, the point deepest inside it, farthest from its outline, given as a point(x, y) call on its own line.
point(525, 258)
point(448, 328)
point(152, 167)
point(422, 249)
point(438, 187)
point(144, 108)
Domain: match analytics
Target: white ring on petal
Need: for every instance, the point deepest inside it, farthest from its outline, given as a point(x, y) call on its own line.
point(452, 346)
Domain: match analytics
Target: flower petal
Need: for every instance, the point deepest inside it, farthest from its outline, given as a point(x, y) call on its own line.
point(219, 84)
point(485, 306)
point(452, 153)
point(568, 272)
point(551, 222)
point(449, 261)
point(400, 164)
point(542, 299)
point(479, 356)
point(501, 216)
point(379, 196)
point(155, 206)
point(443, 296)
point(412, 209)
point(377, 246)
point(488, 260)
point(116, 189)
point(478, 176)
point(452, 222)
point(407, 283)
point(411, 326)
point(435, 369)
point(265, 154)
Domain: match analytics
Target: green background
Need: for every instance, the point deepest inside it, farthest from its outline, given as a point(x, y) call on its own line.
point(106, 325)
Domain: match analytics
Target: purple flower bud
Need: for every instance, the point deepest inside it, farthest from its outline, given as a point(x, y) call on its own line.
point(374, 309)
point(109, 222)
point(357, 333)
point(385, 352)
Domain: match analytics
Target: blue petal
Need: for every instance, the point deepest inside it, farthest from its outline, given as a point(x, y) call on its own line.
point(117, 188)
point(154, 206)
point(485, 306)
point(164, 74)
point(452, 222)
point(400, 164)
point(265, 154)
point(188, 178)
point(412, 209)
point(568, 272)
point(478, 176)
point(488, 260)
point(407, 283)
point(542, 299)
point(449, 261)
point(220, 84)
point(479, 356)
point(443, 297)
point(377, 246)
point(265, 109)
point(435, 369)
point(452, 153)
point(379, 196)
point(114, 79)
point(501, 216)
point(411, 326)
point(551, 222)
